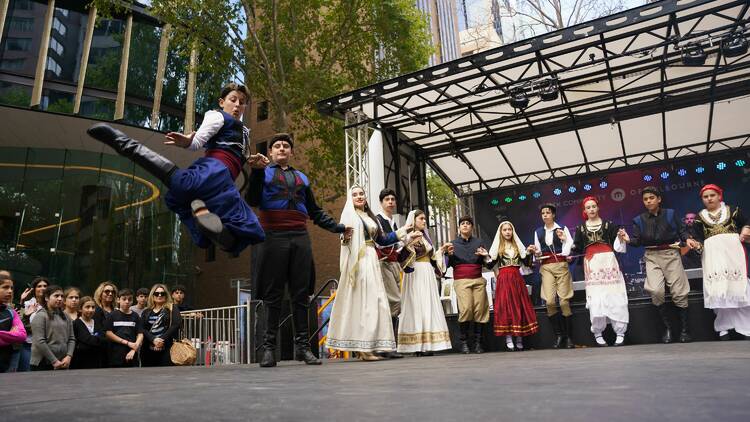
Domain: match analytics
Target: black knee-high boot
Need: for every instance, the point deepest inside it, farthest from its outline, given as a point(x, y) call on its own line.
point(663, 312)
point(478, 338)
point(464, 335)
point(685, 326)
point(557, 327)
point(154, 163)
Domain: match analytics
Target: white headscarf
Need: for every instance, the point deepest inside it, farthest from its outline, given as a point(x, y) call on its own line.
point(495, 251)
point(354, 250)
point(425, 240)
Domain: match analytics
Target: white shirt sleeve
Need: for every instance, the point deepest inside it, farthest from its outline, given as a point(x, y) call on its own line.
point(619, 246)
point(568, 245)
point(536, 242)
point(212, 122)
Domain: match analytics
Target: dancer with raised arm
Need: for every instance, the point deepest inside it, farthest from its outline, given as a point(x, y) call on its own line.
point(388, 255)
point(606, 296)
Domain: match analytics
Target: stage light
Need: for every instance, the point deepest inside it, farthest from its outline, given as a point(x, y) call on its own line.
point(522, 198)
point(557, 191)
point(699, 169)
point(693, 55)
point(603, 184)
point(682, 172)
point(548, 90)
point(518, 98)
point(740, 163)
point(572, 189)
point(721, 165)
point(536, 195)
point(495, 201)
point(508, 199)
point(664, 175)
point(647, 178)
point(587, 187)
point(734, 45)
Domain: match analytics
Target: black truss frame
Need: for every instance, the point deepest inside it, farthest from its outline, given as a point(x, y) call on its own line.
point(433, 99)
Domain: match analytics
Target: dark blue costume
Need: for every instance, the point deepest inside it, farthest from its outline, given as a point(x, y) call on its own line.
point(210, 180)
point(285, 203)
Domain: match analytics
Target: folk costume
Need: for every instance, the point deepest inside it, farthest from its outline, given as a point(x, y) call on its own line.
point(660, 234)
point(422, 327)
point(389, 266)
point(361, 317)
point(606, 296)
point(726, 288)
point(207, 183)
point(557, 282)
point(285, 201)
point(514, 313)
point(470, 288)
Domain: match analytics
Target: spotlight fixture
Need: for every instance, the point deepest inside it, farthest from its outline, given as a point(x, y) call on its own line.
point(603, 184)
point(734, 45)
point(647, 178)
point(700, 169)
point(740, 163)
point(548, 90)
point(522, 198)
point(664, 175)
point(495, 201)
point(536, 195)
point(508, 199)
point(557, 191)
point(693, 55)
point(518, 98)
point(572, 189)
point(721, 165)
point(682, 172)
point(587, 187)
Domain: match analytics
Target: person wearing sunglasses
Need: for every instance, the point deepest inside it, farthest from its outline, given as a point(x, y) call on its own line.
point(105, 297)
point(161, 323)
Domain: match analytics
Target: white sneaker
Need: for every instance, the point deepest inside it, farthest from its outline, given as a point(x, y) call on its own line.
point(509, 343)
point(519, 343)
point(600, 340)
point(619, 340)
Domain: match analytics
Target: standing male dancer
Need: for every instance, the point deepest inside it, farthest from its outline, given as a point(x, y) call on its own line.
point(285, 201)
point(389, 265)
point(466, 256)
point(552, 243)
point(659, 231)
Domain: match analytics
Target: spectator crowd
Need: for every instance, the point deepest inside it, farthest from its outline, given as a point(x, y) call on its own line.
point(51, 327)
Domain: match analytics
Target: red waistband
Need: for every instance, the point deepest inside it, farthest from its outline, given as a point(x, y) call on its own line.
point(282, 220)
point(230, 160)
point(596, 248)
point(466, 271)
point(388, 254)
point(555, 258)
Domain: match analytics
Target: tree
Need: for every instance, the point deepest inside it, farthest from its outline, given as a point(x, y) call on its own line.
point(439, 195)
point(293, 53)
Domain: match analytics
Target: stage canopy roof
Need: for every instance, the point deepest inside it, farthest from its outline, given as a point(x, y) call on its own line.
point(625, 98)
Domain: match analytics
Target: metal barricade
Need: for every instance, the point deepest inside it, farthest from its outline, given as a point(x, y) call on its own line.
point(222, 336)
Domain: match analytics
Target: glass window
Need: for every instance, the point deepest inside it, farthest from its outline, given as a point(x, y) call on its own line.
point(13, 94)
point(20, 24)
point(97, 108)
point(12, 64)
point(106, 53)
point(67, 50)
point(144, 54)
point(262, 111)
point(59, 26)
point(57, 101)
point(53, 67)
point(18, 44)
point(136, 114)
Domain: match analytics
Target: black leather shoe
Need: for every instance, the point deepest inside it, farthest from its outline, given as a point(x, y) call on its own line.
point(305, 355)
point(211, 226)
point(568, 331)
point(465, 347)
point(391, 355)
point(725, 337)
point(268, 360)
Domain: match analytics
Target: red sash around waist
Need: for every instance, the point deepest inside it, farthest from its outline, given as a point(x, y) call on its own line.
point(388, 254)
point(230, 160)
point(553, 258)
point(467, 271)
point(282, 220)
point(596, 248)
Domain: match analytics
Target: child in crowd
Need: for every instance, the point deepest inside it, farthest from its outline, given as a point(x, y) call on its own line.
point(141, 296)
point(11, 328)
point(124, 331)
point(53, 340)
point(72, 297)
point(89, 337)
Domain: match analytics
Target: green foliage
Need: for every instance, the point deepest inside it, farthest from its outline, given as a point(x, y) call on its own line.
point(62, 105)
point(15, 95)
point(439, 195)
point(296, 52)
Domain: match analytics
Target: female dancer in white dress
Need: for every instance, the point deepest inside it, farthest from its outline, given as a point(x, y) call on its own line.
point(422, 328)
point(361, 317)
point(726, 288)
point(606, 296)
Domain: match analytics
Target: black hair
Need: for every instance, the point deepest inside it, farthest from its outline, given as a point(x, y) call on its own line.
point(51, 289)
point(551, 207)
point(282, 136)
point(124, 292)
point(142, 291)
point(234, 87)
point(177, 287)
point(467, 219)
point(385, 192)
point(651, 189)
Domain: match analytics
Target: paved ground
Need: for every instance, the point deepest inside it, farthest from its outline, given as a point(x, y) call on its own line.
point(678, 382)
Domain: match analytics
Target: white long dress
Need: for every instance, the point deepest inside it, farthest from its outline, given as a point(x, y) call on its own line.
point(361, 316)
point(422, 326)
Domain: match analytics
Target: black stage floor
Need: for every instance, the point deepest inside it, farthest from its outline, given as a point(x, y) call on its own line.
point(707, 381)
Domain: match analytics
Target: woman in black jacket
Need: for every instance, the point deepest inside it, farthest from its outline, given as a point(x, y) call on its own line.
point(161, 324)
point(90, 340)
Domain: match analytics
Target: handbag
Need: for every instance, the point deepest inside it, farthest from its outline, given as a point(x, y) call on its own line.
point(183, 353)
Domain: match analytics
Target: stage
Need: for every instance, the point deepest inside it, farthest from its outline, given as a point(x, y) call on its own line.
point(704, 381)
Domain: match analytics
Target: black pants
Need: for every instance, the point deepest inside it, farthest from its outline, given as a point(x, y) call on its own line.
point(283, 261)
point(156, 358)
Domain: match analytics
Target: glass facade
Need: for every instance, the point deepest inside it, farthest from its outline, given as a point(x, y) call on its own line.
point(81, 217)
